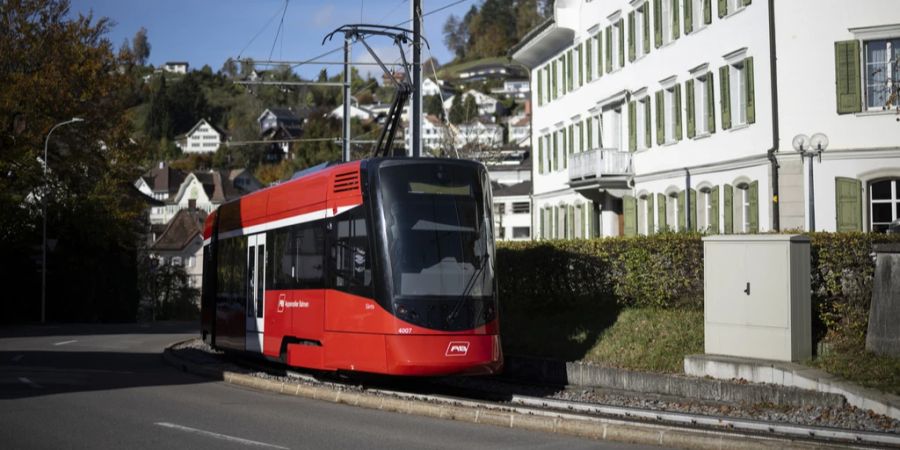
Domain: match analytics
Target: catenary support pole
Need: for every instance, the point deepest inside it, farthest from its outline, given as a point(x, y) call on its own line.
point(416, 116)
point(345, 142)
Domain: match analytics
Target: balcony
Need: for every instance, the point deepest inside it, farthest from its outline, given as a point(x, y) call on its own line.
point(602, 169)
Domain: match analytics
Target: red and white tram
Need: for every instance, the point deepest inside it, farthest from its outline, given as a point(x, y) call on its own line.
point(383, 265)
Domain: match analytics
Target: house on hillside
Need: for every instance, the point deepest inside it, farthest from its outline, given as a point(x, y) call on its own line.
point(356, 112)
point(479, 134)
point(517, 89)
point(435, 134)
point(181, 244)
point(279, 125)
point(160, 182)
point(490, 71)
point(487, 105)
point(431, 87)
point(648, 117)
point(520, 131)
point(201, 190)
point(179, 67)
point(204, 137)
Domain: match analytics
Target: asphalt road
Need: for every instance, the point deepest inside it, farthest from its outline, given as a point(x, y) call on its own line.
point(106, 386)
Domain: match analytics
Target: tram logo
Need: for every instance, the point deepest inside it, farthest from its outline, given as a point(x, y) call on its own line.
point(281, 305)
point(457, 348)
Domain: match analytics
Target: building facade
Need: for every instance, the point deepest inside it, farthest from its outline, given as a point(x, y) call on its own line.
point(674, 114)
point(203, 137)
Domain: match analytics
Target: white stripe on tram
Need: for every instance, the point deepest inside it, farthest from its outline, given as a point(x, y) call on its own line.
point(286, 222)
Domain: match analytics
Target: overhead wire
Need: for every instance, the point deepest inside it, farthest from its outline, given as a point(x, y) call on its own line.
point(264, 27)
point(278, 30)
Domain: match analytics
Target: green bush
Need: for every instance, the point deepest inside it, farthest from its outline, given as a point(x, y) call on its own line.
point(666, 270)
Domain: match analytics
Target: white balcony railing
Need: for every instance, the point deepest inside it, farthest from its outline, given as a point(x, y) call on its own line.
point(599, 163)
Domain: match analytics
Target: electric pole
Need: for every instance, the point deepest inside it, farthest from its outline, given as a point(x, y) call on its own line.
point(415, 119)
point(345, 143)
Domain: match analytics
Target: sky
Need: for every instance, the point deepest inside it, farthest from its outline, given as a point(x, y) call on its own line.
point(210, 31)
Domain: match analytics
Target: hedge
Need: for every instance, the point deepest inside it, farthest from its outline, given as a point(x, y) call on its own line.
point(666, 270)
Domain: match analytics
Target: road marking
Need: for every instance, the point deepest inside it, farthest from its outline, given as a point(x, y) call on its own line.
point(224, 437)
point(65, 342)
point(17, 358)
point(30, 383)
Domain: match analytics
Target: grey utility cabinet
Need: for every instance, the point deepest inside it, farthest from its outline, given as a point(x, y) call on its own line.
point(756, 296)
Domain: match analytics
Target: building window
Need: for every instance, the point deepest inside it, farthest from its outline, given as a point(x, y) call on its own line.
point(672, 211)
point(191, 261)
point(882, 72)
point(884, 203)
point(521, 208)
point(733, 6)
point(701, 105)
point(642, 221)
point(670, 114)
point(521, 232)
point(738, 87)
point(742, 208)
point(640, 15)
point(501, 233)
point(616, 44)
point(705, 210)
point(667, 21)
point(500, 208)
point(698, 10)
point(176, 261)
point(612, 131)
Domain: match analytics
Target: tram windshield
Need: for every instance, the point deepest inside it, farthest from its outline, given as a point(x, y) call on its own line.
point(438, 230)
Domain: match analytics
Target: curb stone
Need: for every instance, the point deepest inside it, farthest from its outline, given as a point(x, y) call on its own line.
point(519, 418)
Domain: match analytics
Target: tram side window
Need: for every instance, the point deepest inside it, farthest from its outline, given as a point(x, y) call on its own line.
point(297, 257)
point(232, 268)
point(350, 258)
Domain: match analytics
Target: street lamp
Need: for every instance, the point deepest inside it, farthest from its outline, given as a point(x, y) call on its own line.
point(811, 147)
point(44, 208)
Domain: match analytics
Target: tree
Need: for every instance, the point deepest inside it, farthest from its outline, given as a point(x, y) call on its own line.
point(230, 68)
point(528, 16)
point(457, 115)
point(470, 108)
point(456, 36)
point(141, 46)
point(434, 106)
point(54, 66)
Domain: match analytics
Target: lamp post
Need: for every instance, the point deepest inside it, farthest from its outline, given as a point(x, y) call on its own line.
point(811, 147)
point(44, 213)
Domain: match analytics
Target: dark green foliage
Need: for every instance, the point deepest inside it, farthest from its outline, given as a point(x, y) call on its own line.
point(433, 105)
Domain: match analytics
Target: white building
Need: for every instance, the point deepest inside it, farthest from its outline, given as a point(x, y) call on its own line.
point(180, 67)
point(672, 114)
point(356, 112)
point(478, 133)
point(487, 105)
point(204, 137)
point(512, 211)
point(430, 87)
point(520, 131)
point(517, 89)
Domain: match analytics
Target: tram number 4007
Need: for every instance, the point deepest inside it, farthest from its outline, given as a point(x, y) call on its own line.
point(404, 330)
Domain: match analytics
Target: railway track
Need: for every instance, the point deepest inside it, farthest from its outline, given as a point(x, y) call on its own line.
point(445, 391)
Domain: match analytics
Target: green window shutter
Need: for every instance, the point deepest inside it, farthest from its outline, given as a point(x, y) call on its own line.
point(751, 103)
point(848, 198)
point(632, 126)
point(591, 220)
point(631, 36)
point(688, 17)
point(541, 155)
point(657, 23)
point(693, 209)
point(660, 119)
point(609, 61)
point(570, 73)
point(621, 42)
point(561, 163)
point(581, 65)
point(691, 112)
point(676, 25)
point(649, 204)
point(746, 2)
point(588, 61)
point(713, 226)
point(707, 11)
point(753, 193)
point(678, 130)
point(629, 207)
point(846, 65)
point(681, 212)
point(553, 73)
point(728, 210)
point(661, 220)
point(646, 30)
point(571, 144)
point(540, 90)
point(725, 99)
point(723, 8)
point(648, 125)
point(710, 104)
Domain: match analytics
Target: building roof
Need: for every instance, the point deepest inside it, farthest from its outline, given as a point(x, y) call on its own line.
point(177, 63)
point(286, 119)
point(186, 225)
point(164, 178)
point(523, 188)
point(202, 121)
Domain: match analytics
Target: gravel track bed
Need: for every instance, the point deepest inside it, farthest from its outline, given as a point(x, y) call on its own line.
point(846, 417)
